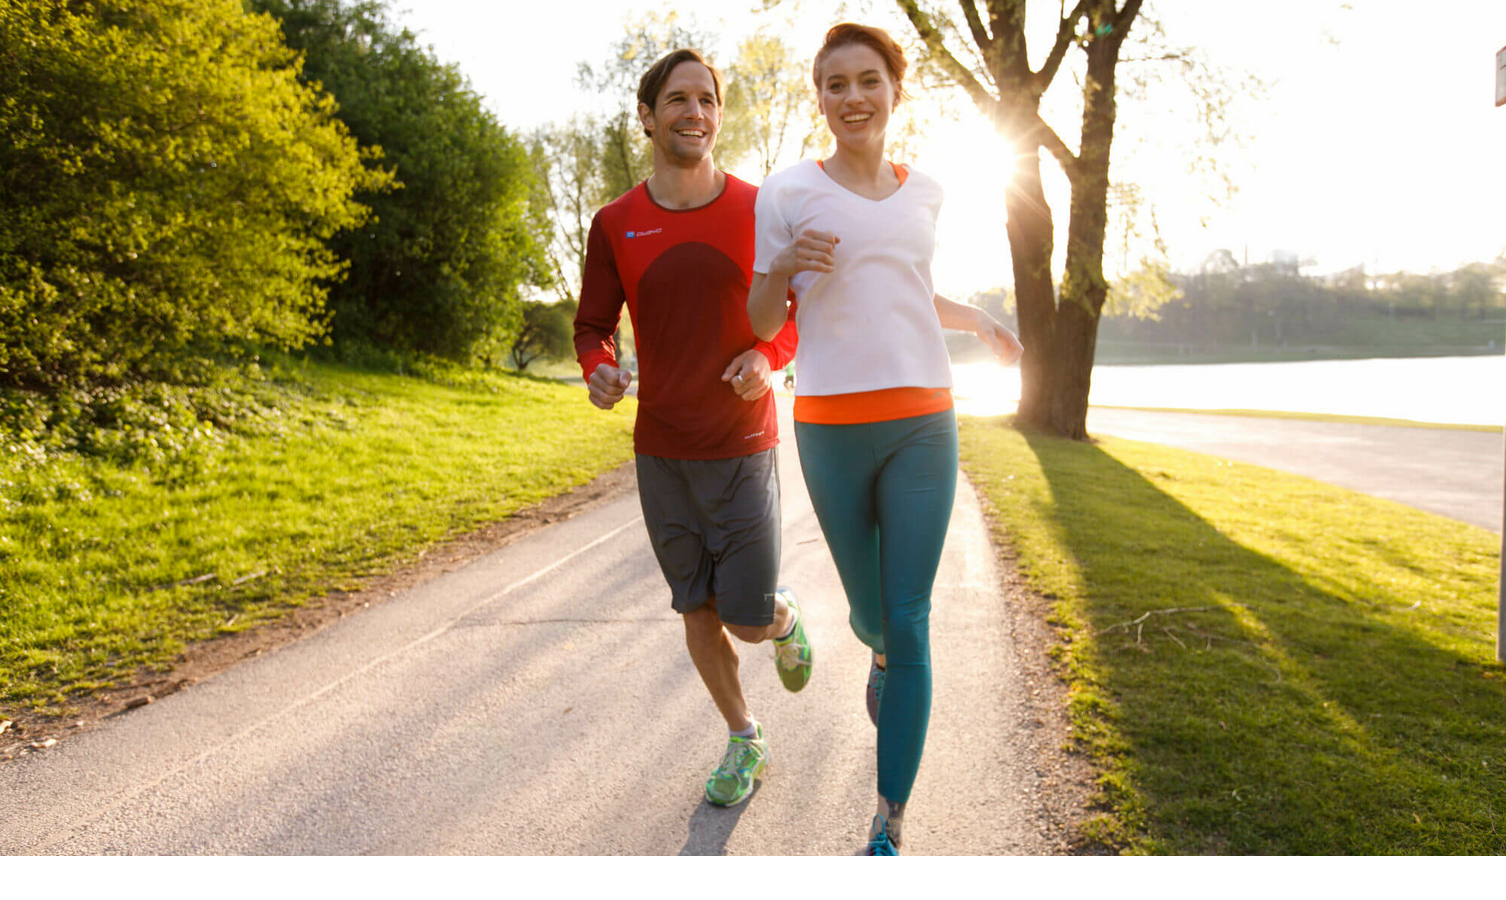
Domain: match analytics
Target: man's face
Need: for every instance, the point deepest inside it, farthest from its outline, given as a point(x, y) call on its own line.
point(686, 118)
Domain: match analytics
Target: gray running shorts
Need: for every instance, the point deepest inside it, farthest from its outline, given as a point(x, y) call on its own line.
point(714, 526)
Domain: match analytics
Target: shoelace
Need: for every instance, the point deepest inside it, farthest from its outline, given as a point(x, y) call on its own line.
point(789, 655)
point(729, 766)
point(881, 844)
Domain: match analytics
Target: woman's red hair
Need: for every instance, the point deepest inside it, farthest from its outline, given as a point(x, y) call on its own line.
point(876, 38)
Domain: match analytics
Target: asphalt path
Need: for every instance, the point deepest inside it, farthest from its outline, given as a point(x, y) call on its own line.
point(540, 701)
point(1450, 472)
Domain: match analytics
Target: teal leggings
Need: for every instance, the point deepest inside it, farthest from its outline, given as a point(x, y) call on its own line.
point(883, 494)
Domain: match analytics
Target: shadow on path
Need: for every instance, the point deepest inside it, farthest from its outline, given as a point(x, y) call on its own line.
point(710, 826)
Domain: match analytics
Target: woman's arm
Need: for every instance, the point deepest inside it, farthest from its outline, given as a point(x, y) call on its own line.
point(961, 317)
point(767, 306)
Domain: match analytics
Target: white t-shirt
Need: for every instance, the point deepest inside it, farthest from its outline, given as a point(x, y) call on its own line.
point(871, 323)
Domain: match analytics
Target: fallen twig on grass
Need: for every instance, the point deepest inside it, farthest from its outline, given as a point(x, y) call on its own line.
point(197, 579)
point(1140, 620)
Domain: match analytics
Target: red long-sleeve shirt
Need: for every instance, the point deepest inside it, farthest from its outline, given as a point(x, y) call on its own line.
point(684, 276)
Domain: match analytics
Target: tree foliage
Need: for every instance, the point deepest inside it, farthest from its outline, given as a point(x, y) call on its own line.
point(771, 106)
point(166, 187)
point(567, 161)
point(440, 267)
point(547, 332)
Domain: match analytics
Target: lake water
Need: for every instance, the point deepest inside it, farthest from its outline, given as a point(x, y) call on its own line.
point(1468, 390)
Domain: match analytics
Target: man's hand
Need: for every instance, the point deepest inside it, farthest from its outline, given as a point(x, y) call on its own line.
point(608, 384)
point(1006, 347)
point(813, 251)
point(749, 374)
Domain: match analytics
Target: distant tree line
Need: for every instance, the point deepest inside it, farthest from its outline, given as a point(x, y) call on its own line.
point(1273, 304)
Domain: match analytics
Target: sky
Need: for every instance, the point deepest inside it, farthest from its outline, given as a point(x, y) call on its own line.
point(1374, 142)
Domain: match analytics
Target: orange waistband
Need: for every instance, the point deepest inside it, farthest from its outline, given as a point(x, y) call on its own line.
point(871, 406)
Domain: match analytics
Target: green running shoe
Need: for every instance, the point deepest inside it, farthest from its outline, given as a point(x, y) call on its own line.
point(745, 760)
point(792, 655)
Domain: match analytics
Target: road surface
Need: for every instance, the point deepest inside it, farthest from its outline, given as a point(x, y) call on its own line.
point(1450, 472)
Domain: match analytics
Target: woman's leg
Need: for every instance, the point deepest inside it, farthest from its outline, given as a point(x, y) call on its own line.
point(840, 469)
point(914, 494)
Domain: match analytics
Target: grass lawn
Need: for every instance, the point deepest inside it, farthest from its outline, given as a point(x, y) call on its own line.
point(1260, 663)
point(368, 469)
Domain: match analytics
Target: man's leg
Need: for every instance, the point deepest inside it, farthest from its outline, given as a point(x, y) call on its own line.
point(715, 656)
point(716, 660)
point(784, 620)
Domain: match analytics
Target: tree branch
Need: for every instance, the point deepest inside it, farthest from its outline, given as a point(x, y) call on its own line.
point(1006, 19)
point(1066, 30)
point(1126, 16)
point(937, 47)
point(1052, 141)
point(980, 34)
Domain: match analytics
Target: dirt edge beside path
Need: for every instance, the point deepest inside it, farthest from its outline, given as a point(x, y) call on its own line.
point(1065, 778)
point(32, 732)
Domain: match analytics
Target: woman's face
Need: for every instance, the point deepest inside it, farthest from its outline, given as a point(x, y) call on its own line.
point(856, 94)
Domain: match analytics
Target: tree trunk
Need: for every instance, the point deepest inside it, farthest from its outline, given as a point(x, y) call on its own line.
point(1068, 372)
point(1031, 242)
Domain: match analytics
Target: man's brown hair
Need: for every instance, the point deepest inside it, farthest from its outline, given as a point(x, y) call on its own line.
point(876, 38)
point(653, 80)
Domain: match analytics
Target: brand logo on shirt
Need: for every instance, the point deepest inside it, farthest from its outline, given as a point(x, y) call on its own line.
point(633, 234)
point(749, 437)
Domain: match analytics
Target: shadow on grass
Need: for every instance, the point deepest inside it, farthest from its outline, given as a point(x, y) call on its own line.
point(1254, 712)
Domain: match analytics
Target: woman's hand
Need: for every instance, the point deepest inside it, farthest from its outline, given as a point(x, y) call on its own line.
point(812, 251)
point(961, 317)
point(1006, 347)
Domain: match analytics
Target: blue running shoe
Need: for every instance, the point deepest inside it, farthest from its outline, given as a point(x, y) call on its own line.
point(880, 844)
point(875, 690)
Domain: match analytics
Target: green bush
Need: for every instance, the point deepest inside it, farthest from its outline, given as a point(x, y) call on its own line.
point(439, 266)
point(166, 187)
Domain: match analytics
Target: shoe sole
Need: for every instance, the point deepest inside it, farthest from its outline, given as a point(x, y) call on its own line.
point(872, 698)
point(789, 597)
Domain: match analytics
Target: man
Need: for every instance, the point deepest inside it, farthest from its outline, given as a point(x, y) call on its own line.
point(677, 250)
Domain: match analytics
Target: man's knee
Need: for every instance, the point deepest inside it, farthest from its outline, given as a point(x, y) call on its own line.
point(702, 623)
point(750, 634)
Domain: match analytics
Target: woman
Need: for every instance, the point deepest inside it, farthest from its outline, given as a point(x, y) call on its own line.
point(853, 236)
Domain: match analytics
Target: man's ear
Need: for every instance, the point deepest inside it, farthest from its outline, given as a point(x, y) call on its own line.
point(646, 118)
